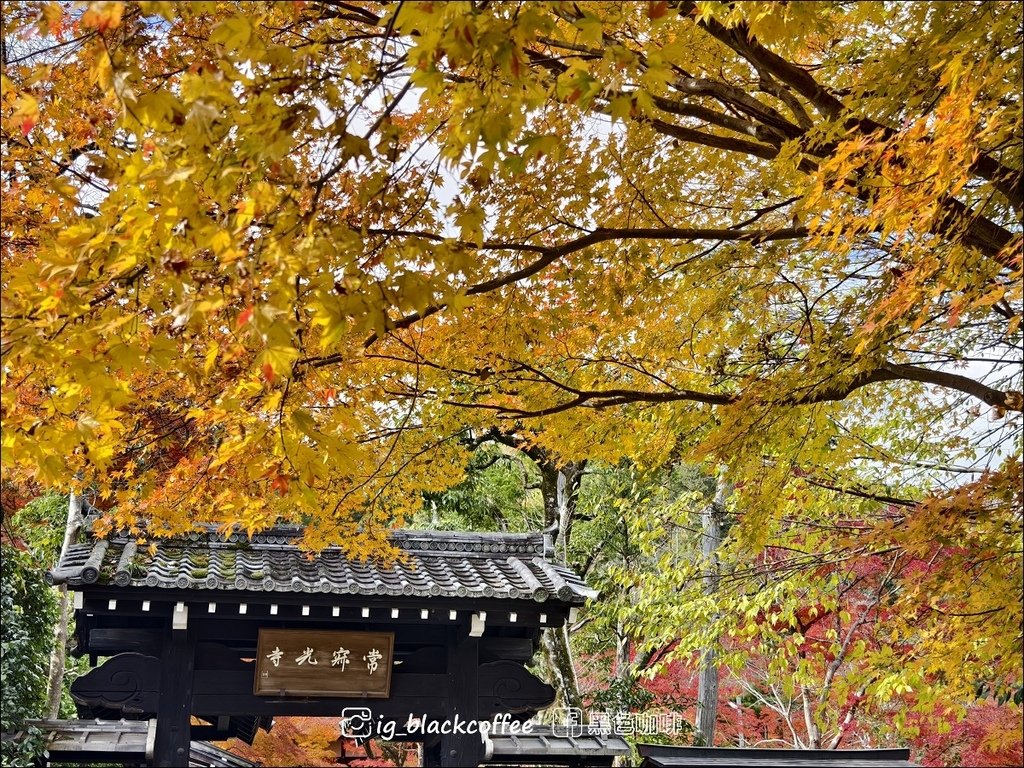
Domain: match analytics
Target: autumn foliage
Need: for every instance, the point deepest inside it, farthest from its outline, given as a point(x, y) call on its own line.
point(289, 261)
point(316, 741)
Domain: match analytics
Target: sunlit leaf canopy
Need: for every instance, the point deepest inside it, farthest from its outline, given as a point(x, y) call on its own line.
point(277, 261)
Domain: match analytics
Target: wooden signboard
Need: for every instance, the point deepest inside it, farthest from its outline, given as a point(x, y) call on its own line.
point(296, 662)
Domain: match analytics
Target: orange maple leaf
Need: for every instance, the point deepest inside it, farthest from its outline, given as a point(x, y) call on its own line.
point(657, 9)
point(27, 123)
point(280, 484)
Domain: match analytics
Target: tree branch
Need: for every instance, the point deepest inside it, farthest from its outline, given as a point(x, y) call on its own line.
point(739, 39)
point(551, 254)
point(888, 372)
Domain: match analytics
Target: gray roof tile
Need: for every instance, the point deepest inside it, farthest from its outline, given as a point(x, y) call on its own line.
point(658, 756)
point(436, 564)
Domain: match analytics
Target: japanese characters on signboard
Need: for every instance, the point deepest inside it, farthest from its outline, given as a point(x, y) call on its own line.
point(294, 662)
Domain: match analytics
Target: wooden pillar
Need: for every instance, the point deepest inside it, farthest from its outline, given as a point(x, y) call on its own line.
point(463, 749)
point(174, 710)
point(431, 754)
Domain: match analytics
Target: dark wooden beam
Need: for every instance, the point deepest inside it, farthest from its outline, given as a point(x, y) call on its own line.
point(231, 693)
point(396, 708)
point(240, 632)
point(519, 649)
point(210, 733)
point(222, 684)
point(463, 689)
point(109, 642)
point(174, 709)
point(289, 606)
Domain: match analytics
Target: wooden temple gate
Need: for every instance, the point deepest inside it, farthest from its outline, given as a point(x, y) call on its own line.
point(236, 630)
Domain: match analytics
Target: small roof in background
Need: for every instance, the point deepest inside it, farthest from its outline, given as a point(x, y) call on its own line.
point(544, 746)
point(117, 741)
point(659, 756)
point(442, 564)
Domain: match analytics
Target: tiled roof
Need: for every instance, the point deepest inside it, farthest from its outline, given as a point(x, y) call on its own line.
point(544, 745)
point(110, 740)
point(663, 756)
point(440, 564)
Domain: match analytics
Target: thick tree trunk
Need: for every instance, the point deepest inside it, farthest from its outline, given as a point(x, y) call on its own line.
point(549, 492)
point(570, 477)
point(813, 735)
point(58, 657)
point(707, 699)
point(712, 521)
point(623, 645)
point(560, 487)
point(624, 667)
point(559, 656)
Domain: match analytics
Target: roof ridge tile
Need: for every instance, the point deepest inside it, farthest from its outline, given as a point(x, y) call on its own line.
point(437, 564)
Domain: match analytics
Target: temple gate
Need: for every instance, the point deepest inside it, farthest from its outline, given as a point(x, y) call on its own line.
point(235, 630)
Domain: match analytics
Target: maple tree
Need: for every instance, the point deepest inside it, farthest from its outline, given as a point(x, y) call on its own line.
point(814, 654)
point(272, 261)
point(990, 735)
point(825, 624)
point(315, 741)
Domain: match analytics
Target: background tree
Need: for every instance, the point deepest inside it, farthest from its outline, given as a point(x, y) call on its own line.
point(29, 609)
point(28, 612)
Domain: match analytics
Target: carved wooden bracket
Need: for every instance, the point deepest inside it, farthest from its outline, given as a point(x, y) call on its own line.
point(128, 682)
point(506, 686)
